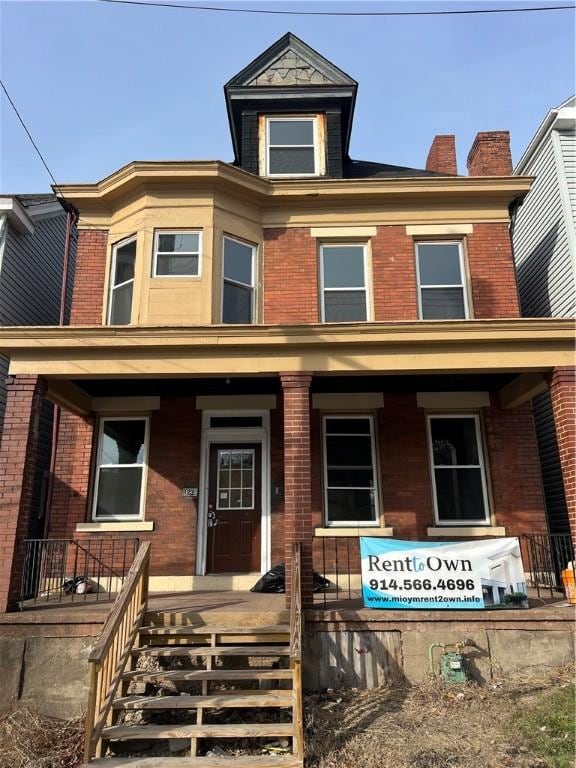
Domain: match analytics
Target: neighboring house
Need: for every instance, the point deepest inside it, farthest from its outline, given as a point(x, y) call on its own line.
point(544, 239)
point(32, 242)
point(291, 347)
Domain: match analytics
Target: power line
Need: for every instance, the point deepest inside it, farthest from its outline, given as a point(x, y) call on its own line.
point(338, 13)
point(19, 116)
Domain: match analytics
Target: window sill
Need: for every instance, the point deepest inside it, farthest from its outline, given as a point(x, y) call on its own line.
point(466, 530)
point(353, 532)
point(125, 525)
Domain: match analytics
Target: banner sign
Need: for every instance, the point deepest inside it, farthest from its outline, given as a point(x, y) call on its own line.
point(418, 574)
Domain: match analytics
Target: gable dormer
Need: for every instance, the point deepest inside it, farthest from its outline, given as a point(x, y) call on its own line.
point(290, 113)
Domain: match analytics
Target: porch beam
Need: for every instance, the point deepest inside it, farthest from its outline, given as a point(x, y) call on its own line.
point(69, 396)
point(521, 389)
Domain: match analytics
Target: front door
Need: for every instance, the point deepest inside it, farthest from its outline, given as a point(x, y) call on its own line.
point(234, 508)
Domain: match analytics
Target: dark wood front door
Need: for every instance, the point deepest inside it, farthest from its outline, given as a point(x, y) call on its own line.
point(234, 508)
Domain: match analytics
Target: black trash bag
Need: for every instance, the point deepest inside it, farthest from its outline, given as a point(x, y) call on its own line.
point(274, 581)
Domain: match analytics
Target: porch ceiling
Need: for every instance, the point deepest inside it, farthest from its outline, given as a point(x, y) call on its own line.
point(424, 347)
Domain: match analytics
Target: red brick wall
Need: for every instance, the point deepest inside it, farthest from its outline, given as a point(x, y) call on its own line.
point(514, 468)
point(174, 463)
point(89, 277)
point(290, 277)
point(563, 392)
point(394, 275)
point(18, 450)
point(492, 275)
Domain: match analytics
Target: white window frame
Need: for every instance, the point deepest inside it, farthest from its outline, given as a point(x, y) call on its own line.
point(284, 118)
point(98, 466)
point(352, 523)
point(463, 277)
point(486, 521)
point(111, 277)
point(252, 287)
point(365, 287)
point(198, 253)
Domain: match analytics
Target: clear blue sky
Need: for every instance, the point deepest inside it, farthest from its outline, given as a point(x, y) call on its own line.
point(100, 85)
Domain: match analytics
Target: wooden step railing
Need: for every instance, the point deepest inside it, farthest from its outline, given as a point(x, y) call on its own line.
point(112, 650)
point(296, 647)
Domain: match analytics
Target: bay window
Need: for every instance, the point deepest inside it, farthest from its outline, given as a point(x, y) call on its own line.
point(238, 274)
point(121, 288)
point(176, 254)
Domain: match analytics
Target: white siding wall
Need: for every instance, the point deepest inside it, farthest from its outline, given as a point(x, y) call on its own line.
point(544, 262)
point(568, 154)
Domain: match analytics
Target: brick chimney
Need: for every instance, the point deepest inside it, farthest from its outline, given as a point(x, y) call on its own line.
point(490, 154)
point(442, 155)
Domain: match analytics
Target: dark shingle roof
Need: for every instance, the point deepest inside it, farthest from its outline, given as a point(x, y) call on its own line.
point(29, 200)
point(365, 169)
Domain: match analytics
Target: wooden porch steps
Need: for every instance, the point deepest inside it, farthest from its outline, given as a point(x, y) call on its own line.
point(254, 761)
point(251, 690)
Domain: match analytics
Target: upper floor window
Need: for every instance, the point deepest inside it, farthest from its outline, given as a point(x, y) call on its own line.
point(177, 254)
point(458, 474)
point(238, 281)
point(350, 488)
point(291, 147)
point(122, 283)
point(441, 281)
point(343, 283)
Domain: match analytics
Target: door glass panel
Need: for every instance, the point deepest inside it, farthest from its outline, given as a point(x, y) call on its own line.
point(235, 479)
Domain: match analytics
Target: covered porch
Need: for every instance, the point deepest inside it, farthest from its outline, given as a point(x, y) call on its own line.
point(225, 452)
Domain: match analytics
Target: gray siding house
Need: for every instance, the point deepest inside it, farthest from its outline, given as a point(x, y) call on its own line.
point(32, 239)
point(544, 238)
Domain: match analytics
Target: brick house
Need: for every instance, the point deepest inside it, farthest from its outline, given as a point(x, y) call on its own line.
point(292, 346)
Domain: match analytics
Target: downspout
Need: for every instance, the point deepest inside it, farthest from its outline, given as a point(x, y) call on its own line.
point(72, 216)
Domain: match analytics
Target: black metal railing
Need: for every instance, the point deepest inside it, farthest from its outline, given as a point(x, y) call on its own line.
point(63, 570)
point(545, 557)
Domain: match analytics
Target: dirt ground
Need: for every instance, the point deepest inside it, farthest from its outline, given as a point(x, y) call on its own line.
point(522, 722)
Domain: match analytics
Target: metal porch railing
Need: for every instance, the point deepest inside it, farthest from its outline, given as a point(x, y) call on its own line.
point(64, 570)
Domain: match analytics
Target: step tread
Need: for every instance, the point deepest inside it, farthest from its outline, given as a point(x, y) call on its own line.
point(215, 701)
point(206, 629)
point(230, 650)
point(209, 674)
point(255, 761)
point(209, 731)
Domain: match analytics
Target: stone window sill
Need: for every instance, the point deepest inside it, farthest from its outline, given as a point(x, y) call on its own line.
point(120, 527)
point(353, 532)
point(466, 530)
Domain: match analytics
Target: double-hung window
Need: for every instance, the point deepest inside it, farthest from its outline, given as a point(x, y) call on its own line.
point(177, 254)
point(350, 487)
point(458, 472)
point(121, 468)
point(291, 146)
point(238, 273)
point(343, 283)
point(441, 281)
point(122, 283)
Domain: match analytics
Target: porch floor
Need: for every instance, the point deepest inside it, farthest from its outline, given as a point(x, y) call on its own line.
point(85, 616)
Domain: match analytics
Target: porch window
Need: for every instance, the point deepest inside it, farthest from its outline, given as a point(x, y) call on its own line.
point(121, 468)
point(177, 254)
point(343, 283)
point(122, 283)
point(350, 489)
point(441, 281)
point(238, 281)
point(458, 472)
point(291, 146)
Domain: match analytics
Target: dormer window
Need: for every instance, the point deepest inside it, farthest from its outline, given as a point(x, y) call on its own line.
point(291, 146)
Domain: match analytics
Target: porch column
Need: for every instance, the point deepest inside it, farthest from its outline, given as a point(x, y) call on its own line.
point(563, 394)
point(297, 484)
point(17, 465)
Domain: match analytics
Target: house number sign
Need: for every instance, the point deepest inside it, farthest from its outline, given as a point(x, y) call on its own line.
point(190, 493)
